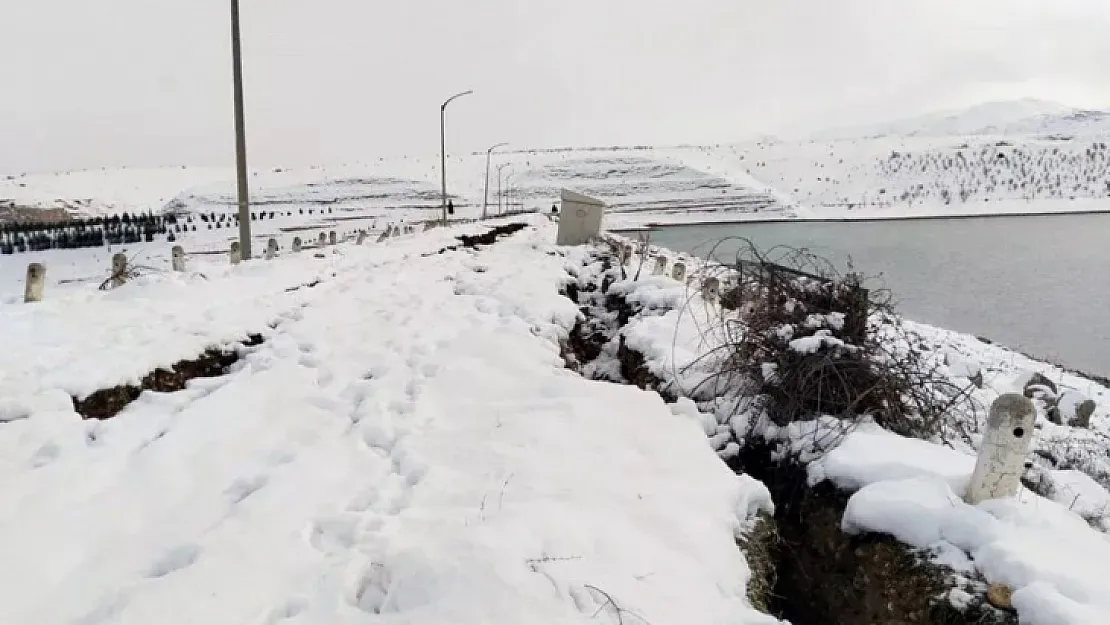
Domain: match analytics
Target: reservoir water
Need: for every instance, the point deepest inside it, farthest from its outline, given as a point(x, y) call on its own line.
point(1040, 284)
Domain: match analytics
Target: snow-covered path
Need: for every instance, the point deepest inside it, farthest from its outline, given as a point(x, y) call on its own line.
point(405, 447)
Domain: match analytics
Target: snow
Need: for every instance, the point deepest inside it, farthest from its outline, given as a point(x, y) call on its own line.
point(870, 454)
point(1057, 566)
point(1080, 494)
point(1053, 552)
point(404, 447)
point(1024, 116)
point(845, 175)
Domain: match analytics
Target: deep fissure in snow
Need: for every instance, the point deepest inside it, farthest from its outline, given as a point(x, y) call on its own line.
point(107, 403)
point(488, 238)
point(805, 569)
point(824, 575)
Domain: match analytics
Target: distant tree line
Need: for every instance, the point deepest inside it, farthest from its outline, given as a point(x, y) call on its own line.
point(120, 229)
point(78, 233)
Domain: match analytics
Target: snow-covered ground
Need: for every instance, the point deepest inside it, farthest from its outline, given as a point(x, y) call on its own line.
point(1054, 552)
point(405, 447)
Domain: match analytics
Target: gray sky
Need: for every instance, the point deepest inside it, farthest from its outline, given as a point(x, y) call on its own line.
point(147, 82)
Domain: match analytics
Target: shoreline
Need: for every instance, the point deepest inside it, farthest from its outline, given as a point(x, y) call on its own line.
point(654, 225)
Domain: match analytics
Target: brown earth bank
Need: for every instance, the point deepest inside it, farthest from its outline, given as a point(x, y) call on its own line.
point(109, 402)
point(11, 213)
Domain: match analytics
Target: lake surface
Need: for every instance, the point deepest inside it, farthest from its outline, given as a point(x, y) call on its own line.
point(1039, 284)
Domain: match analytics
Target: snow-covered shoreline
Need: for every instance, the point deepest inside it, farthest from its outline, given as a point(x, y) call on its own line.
point(406, 443)
point(1052, 551)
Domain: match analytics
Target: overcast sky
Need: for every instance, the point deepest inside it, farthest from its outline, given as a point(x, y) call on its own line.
point(89, 83)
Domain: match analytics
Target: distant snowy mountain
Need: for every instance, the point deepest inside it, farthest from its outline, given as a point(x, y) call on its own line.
point(1027, 117)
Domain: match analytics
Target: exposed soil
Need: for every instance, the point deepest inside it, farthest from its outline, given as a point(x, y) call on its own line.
point(488, 238)
point(826, 576)
point(107, 403)
point(804, 568)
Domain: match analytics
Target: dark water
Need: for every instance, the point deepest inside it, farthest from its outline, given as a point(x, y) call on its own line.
point(1039, 284)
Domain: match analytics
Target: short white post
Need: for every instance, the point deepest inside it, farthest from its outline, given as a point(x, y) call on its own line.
point(660, 266)
point(235, 253)
point(271, 249)
point(1006, 444)
point(331, 238)
point(678, 271)
point(323, 240)
point(297, 244)
point(710, 290)
point(177, 258)
point(626, 254)
point(396, 232)
point(119, 269)
point(36, 283)
point(361, 237)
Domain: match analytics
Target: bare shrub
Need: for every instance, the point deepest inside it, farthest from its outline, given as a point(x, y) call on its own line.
point(810, 341)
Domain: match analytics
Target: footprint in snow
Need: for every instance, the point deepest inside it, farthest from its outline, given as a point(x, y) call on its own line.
point(370, 588)
point(364, 500)
point(290, 609)
point(107, 612)
point(244, 487)
point(377, 436)
point(176, 559)
point(333, 534)
point(46, 454)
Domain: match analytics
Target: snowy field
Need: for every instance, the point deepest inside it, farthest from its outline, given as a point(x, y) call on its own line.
point(395, 451)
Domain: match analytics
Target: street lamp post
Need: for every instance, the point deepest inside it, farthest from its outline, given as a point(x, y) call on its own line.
point(499, 169)
point(485, 197)
point(443, 149)
point(240, 136)
point(510, 180)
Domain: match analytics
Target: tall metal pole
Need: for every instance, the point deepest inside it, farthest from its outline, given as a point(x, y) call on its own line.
point(240, 136)
point(485, 198)
point(443, 150)
point(510, 180)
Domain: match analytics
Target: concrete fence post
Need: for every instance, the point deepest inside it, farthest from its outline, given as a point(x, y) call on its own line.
point(177, 258)
point(361, 237)
point(678, 271)
point(660, 266)
point(710, 290)
point(271, 249)
point(297, 244)
point(235, 253)
point(332, 238)
point(36, 283)
point(1006, 444)
point(119, 269)
point(322, 240)
point(384, 235)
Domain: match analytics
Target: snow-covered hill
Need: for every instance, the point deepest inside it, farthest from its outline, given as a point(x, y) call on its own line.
point(1014, 117)
point(1001, 157)
point(902, 176)
point(631, 180)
